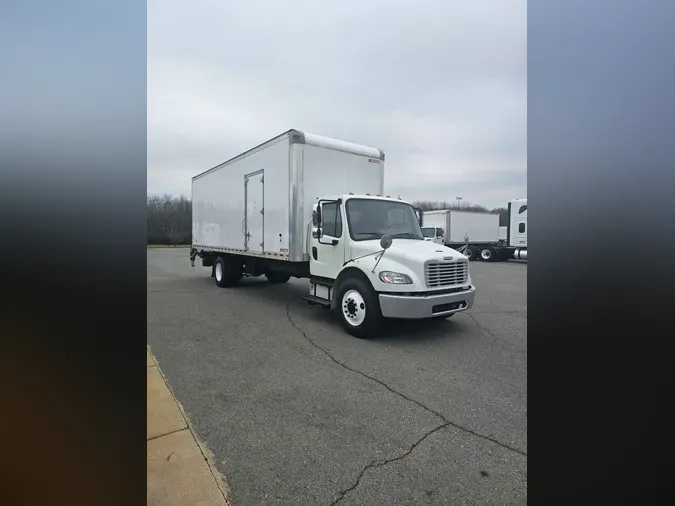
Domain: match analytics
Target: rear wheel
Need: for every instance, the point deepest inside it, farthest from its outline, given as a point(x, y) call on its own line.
point(226, 272)
point(358, 308)
point(488, 254)
point(471, 253)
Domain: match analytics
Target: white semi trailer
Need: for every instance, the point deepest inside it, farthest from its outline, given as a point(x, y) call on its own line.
point(478, 235)
point(306, 206)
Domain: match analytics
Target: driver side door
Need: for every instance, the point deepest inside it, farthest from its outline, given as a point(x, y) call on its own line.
point(327, 254)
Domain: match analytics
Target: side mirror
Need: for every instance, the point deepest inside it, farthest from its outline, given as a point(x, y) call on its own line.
point(318, 216)
point(385, 242)
point(317, 234)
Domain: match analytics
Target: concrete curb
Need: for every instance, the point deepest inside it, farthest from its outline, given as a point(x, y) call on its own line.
point(215, 477)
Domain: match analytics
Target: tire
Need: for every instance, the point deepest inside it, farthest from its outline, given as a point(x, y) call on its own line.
point(358, 308)
point(278, 277)
point(471, 253)
point(488, 254)
point(226, 273)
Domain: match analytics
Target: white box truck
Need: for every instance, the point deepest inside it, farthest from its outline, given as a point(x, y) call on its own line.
point(478, 235)
point(306, 206)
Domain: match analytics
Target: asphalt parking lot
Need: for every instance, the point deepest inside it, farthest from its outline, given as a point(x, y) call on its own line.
point(296, 411)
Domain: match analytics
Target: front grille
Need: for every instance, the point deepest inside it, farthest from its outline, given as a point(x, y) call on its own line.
point(445, 273)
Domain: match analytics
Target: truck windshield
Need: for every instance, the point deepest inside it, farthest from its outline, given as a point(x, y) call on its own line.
point(428, 232)
point(371, 219)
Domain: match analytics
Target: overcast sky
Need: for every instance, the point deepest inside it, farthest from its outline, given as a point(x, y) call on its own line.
point(439, 85)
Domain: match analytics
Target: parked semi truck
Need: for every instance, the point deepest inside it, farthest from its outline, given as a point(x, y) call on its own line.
point(306, 206)
point(503, 234)
point(478, 235)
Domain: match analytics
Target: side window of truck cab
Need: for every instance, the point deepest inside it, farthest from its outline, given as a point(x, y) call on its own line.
point(331, 220)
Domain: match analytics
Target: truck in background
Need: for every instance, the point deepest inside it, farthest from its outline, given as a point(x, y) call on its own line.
point(306, 206)
point(478, 235)
point(503, 234)
point(452, 228)
point(516, 238)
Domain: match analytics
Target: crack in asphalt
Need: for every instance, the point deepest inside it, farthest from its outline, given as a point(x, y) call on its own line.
point(446, 422)
point(487, 331)
point(380, 463)
point(361, 373)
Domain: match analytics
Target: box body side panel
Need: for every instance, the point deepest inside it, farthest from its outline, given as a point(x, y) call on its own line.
point(220, 211)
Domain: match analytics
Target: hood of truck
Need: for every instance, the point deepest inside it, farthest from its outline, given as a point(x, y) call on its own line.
point(407, 251)
point(407, 256)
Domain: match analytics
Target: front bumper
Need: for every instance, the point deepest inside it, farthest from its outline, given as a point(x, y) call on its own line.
point(428, 306)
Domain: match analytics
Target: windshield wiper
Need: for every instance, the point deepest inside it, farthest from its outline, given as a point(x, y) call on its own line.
point(369, 235)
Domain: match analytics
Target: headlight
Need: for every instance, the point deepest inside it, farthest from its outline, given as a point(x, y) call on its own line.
point(395, 278)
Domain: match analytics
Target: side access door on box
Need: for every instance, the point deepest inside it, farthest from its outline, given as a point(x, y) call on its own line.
point(254, 211)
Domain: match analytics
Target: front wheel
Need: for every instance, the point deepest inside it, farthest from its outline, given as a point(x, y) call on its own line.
point(359, 308)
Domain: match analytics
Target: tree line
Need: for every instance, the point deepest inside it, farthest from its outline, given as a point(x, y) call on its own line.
point(170, 218)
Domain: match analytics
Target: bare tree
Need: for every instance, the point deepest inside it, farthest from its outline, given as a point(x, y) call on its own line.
point(169, 220)
point(429, 205)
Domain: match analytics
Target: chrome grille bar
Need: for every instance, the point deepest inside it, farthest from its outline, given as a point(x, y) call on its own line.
point(437, 274)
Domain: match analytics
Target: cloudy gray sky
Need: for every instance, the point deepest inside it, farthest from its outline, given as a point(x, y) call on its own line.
point(439, 85)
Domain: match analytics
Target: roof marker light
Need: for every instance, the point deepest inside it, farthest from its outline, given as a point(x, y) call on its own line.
point(367, 194)
point(351, 193)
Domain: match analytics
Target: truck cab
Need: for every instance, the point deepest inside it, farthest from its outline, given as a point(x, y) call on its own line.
point(368, 260)
point(433, 234)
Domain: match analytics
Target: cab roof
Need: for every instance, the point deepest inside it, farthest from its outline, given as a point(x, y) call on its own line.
point(364, 196)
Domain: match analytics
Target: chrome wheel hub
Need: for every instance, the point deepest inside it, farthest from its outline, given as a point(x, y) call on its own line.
point(353, 308)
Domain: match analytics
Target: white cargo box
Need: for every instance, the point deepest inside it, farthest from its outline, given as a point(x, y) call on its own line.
point(458, 225)
point(478, 227)
point(260, 202)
